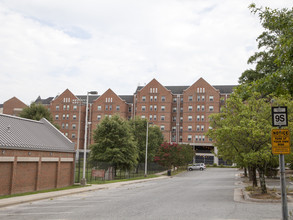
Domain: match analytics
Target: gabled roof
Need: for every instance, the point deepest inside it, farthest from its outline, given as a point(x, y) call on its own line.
point(92, 98)
point(179, 89)
point(25, 134)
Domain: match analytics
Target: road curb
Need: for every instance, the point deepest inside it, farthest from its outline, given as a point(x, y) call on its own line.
point(50, 195)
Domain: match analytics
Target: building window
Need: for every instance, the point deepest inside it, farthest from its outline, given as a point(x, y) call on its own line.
point(197, 90)
point(202, 118)
point(143, 108)
point(73, 126)
point(189, 118)
point(129, 109)
point(106, 107)
point(155, 98)
point(162, 108)
point(181, 109)
point(198, 107)
point(151, 117)
point(197, 127)
point(163, 98)
point(173, 129)
point(73, 135)
point(211, 108)
point(143, 116)
point(199, 137)
point(151, 90)
point(181, 128)
point(189, 137)
point(203, 138)
point(202, 107)
point(202, 98)
point(202, 128)
point(57, 107)
point(99, 117)
point(198, 98)
point(162, 117)
point(211, 98)
point(151, 98)
point(99, 108)
point(66, 125)
point(190, 108)
point(68, 107)
point(155, 107)
point(143, 98)
point(198, 118)
point(173, 118)
point(56, 117)
point(64, 107)
point(174, 99)
point(180, 138)
point(74, 117)
point(110, 107)
point(63, 126)
point(174, 109)
point(151, 108)
point(196, 137)
point(189, 128)
point(155, 117)
point(190, 98)
point(66, 134)
point(75, 107)
point(117, 107)
point(63, 116)
point(181, 119)
point(162, 127)
point(67, 116)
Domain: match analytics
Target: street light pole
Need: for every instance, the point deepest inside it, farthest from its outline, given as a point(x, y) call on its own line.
point(83, 180)
point(146, 151)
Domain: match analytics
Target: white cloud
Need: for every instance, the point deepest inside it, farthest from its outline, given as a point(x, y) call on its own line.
point(48, 46)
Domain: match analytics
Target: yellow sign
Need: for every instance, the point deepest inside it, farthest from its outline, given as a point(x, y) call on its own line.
point(281, 141)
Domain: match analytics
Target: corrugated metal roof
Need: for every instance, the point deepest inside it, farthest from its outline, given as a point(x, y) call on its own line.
point(25, 134)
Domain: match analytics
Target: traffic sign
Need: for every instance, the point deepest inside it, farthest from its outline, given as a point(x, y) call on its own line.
point(281, 141)
point(279, 116)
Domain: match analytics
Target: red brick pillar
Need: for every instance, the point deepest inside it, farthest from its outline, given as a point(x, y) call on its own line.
point(38, 174)
point(58, 172)
point(13, 175)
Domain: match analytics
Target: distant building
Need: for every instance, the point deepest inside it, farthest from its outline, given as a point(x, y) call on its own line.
point(13, 106)
point(34, 155)
point(181, 112)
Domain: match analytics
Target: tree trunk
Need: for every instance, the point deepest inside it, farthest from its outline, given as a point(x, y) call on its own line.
point(252, 176)
point(262, 180)
point(245, 172)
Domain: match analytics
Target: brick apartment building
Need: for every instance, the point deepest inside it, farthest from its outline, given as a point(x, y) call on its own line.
point(13, 106)
point(181, 112)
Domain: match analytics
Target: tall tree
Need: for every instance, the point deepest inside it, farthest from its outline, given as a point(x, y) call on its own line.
point(155, 138)
point(114, 144)
point(273, 71)
point(242, 133)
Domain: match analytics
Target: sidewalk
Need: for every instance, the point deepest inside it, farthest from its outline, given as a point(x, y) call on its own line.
point(49, 195)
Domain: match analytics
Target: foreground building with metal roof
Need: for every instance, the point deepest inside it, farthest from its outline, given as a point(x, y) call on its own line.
point(34, 155)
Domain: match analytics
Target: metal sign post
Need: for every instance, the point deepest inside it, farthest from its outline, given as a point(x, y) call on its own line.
point(280, 143)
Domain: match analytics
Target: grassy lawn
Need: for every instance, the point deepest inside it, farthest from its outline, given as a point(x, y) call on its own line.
point(122, 180)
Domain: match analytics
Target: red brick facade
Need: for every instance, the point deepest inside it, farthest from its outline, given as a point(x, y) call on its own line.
point(28, 171)
point(13, 106)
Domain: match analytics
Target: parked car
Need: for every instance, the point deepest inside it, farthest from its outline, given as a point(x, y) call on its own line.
point(197, 166)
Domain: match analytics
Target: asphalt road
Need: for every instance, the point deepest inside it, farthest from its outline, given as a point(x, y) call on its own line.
point(199, 195)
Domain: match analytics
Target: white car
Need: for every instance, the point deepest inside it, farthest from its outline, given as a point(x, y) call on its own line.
point(197, 166)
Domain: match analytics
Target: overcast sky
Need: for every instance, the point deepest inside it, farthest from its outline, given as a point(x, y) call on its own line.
point(47, 46)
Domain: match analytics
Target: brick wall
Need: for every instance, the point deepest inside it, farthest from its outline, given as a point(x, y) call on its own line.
point(28, 171)
point(13, 106)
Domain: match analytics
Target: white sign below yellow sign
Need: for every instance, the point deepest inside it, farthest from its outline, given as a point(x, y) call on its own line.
point(281, 141)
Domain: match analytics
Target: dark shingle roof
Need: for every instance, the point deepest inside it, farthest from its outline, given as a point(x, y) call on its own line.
point(25, 134)
point(225, 89)
point(92, 98)
point(1, 105)
point(46, 101)
point(127, 98)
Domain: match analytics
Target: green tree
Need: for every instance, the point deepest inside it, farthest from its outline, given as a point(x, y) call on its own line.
point(36, 112)
point(242, 133)
point(155, 138)
point(175, 155)
point(114, 144)
point(273, 72)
